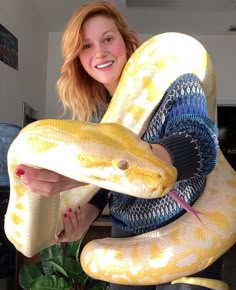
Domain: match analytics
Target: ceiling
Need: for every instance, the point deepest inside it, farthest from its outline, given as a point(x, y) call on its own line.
point(199, 17)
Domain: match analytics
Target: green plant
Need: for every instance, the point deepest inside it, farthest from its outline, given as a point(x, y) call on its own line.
point(59, 268)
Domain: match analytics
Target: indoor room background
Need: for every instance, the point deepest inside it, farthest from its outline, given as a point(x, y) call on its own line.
point(30, 87)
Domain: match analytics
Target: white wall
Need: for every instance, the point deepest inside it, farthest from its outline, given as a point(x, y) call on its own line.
point(221, 48)
point(222, 51)
point(53, 108)
point(28, 83)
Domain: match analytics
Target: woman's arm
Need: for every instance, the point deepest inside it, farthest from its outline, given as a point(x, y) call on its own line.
point(182, 127)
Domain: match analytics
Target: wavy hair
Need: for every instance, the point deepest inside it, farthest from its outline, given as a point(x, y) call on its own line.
point(80, 94)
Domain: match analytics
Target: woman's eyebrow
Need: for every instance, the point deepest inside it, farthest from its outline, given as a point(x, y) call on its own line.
point(103, 34)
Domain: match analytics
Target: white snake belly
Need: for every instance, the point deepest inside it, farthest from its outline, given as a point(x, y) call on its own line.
point(176, 250)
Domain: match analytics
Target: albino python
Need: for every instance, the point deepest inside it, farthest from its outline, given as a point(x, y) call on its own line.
point(109, 155)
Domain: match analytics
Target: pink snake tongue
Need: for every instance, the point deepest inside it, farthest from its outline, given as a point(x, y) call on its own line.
point(185, 205)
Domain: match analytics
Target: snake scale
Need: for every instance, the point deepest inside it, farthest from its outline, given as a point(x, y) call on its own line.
point(111, 156)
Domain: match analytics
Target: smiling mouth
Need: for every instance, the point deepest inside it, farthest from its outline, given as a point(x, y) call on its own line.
point(105, 64)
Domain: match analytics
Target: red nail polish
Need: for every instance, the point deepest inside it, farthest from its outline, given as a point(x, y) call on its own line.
point(69, 209)
point(65, 215)
point(20, 172)
point(78, 207)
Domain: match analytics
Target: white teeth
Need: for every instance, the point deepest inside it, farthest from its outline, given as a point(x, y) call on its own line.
point(104, 65)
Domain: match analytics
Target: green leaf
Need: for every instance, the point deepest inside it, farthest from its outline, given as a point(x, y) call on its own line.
point(40, 267)
point(70, 268)
point(47, 254)
point(73, 249)
point(59, 268)
point(51, 283)
point(28, 273)
point(77, 256)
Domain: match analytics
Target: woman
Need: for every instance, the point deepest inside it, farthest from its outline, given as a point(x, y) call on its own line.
point(96, 46)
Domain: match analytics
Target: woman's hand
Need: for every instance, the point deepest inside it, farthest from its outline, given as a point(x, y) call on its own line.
point(76, 222)
point(45, 182)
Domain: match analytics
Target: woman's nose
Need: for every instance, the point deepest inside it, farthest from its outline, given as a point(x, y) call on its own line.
point(100, 51)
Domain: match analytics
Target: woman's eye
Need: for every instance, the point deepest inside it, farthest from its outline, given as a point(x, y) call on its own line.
point(86, 46)
point(108, 39)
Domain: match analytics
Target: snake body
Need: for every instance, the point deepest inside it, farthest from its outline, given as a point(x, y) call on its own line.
point(97, 154)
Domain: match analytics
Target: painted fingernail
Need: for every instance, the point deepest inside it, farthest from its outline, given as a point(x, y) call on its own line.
point(20, 172)
point(65, 215)
point(69, 209)
point(78, 207)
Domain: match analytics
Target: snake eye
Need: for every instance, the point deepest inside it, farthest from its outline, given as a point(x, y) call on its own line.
point(123, 164)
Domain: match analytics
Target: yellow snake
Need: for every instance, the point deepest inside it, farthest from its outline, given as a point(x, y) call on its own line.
point(111, 156)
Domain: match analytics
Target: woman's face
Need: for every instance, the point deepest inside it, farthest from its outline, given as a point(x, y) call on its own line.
point(103, 53)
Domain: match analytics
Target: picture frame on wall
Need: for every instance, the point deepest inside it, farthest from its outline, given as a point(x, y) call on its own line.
point(8, 48)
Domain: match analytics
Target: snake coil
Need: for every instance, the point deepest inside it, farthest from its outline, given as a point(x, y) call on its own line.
point(92, 153)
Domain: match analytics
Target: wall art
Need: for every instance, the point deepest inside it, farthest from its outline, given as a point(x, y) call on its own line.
point(8, 47)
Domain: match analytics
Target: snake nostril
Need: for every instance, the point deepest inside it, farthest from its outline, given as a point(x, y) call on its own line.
point(123, 164)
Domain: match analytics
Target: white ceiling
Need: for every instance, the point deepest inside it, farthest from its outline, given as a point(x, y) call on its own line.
point(212, 17)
